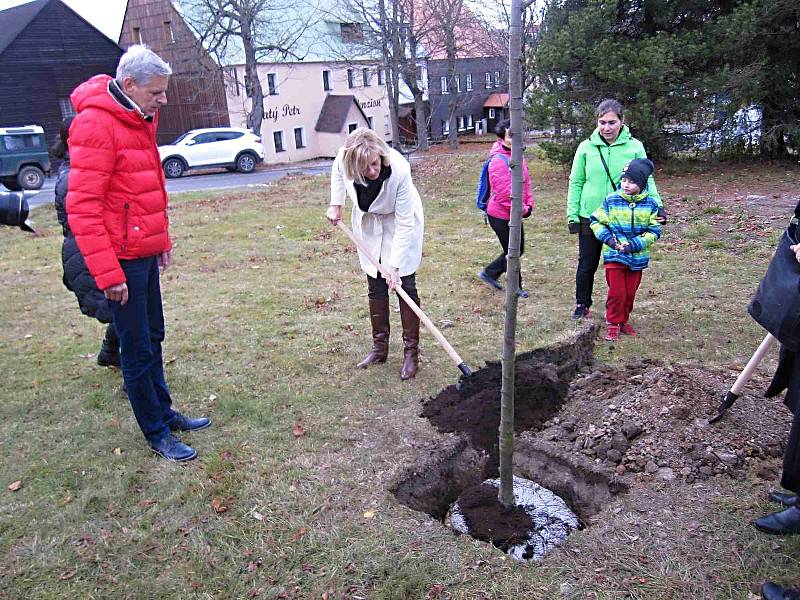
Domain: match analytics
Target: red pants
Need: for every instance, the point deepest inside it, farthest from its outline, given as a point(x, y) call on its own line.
point(622, 286)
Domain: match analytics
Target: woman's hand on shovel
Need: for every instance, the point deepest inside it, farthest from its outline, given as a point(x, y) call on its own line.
point(796, 250)
point(334, 213)
point(394, 280)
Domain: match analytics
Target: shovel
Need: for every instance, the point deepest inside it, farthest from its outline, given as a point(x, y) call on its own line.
point(744, 377)
point(413, 305)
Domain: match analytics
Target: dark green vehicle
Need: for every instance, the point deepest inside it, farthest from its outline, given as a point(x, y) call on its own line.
point(23, 157)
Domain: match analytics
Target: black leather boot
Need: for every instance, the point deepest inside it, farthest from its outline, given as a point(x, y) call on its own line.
point(379, 318)
point(109, 351)
point(410, 322)
point(785, 522)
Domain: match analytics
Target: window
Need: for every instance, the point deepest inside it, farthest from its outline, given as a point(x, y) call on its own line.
point(277, 138)
point(497, 79)
point(380, 76)
point(365, 76)
point(370, 122)
point(65, 105)
point(21, 142)
point(469, 122)
point(326, 81)
point(443, 82)
point(445, 127)
point(458, 83)
point(385, 124)
point(491, 113)
point(461, 123)
point(137, 35)
point(272, 84)
point(299, 138)
point(351, 127)
point(350, 79)
point(488, 80)
point(352, 32)
point(469, 82)
point(169, 37)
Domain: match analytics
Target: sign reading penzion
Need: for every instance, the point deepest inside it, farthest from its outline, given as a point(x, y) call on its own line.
point(288, 110)
point(370, 104)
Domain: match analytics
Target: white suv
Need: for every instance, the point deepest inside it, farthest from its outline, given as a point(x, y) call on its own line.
point(230, 147)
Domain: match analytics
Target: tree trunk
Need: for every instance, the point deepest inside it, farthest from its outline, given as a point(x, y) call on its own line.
point(506, 433)
point(452, 103)
point(773, 128)
point(421, 120)
point(252, 83)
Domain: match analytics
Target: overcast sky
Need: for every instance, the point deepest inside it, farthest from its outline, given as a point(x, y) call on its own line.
point(105, 15)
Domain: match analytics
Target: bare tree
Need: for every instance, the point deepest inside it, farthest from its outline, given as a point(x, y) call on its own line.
point(506, 431)
point(500, 27)
point(249, 31)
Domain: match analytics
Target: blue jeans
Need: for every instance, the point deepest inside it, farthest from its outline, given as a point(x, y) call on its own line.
point(140, 325)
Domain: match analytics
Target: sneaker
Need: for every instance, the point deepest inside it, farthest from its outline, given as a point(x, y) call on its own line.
point(627, 329)
point(581, 312)
point(172, 448)
point(612, 332)
point(492, 283)
point(522, 293)
point(182, 423)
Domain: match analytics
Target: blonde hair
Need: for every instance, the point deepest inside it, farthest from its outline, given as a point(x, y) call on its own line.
point(360, 149)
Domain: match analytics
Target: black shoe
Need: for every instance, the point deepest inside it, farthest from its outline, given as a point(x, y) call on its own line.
point(181, 423)
point(785, 522)
point(771, 591)
point(783, 498)
point(522, 293)
point(108, 356)
point(581, 312)
point(172, 448)
point(492, 283)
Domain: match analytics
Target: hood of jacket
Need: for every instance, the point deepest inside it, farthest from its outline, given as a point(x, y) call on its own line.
point(102, 92)
point(499, 148)
point(597, 140)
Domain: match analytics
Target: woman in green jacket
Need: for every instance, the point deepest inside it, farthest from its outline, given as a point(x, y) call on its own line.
point(595, 174)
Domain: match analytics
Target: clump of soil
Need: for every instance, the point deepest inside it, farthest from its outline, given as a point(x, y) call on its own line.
point(650, 418)
point(541, 383)
point(489, 521)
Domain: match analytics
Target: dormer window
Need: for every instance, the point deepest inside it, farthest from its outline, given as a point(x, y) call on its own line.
point(352, 32)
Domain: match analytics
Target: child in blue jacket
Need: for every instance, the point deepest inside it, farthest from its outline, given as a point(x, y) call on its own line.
point(626, 222)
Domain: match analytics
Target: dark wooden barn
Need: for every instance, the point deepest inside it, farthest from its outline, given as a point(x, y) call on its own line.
point(46, 51)
point(196, 93)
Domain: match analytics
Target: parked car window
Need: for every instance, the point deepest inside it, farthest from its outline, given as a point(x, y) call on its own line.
point(224, 136)
point(180, 139)
point(20, 142)
point(205, 138)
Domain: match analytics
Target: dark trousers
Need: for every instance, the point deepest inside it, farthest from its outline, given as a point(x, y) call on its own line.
point(379, 289)
point(589, 250)
point(140, 326)
point(787, 377)
point(499, 265)
point(622, 286)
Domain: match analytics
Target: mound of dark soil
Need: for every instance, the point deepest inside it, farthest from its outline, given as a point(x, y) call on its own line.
point(489, 521)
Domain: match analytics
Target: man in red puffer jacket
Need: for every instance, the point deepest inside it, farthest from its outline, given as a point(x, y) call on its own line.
point(117, 207)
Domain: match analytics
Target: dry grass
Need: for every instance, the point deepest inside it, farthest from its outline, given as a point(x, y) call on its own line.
point(266, 313)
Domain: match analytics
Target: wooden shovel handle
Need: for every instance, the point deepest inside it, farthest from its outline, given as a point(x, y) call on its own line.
point(413, 305)
point(757, 357)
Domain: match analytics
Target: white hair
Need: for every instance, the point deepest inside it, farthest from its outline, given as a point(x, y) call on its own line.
point(141, 64)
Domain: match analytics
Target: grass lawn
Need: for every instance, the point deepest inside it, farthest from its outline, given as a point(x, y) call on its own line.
point(266, 316)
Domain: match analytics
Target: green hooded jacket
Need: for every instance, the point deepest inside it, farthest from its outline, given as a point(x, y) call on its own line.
point(588, 181)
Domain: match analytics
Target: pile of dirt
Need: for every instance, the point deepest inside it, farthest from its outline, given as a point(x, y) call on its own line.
point(541, 383)
point(651, 419)
point(489, 521)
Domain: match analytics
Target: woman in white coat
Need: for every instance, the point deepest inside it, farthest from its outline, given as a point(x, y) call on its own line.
point(387, 216)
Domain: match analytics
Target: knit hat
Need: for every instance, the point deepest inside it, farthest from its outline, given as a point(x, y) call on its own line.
point(638, 170)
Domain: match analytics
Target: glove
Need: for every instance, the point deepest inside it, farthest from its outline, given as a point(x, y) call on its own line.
point(574, 227)
point(527, 213)
point(661, 216)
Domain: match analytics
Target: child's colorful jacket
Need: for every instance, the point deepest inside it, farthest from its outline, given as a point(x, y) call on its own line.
point(622, 218)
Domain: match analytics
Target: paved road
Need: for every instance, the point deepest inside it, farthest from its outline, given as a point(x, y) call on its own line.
point(216, 180)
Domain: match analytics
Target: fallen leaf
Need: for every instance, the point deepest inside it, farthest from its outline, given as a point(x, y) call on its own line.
point(369, 514)
point(258, 516)
point(218, 505)
point(67, 575)
point(298, 430)
point(28, 336)
point(300, 533)
point(15, 486)
point(117, 451)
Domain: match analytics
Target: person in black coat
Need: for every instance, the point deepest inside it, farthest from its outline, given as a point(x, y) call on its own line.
point(77, 278)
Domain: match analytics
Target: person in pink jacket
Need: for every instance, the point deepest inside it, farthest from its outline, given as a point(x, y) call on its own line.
point(498, 208)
